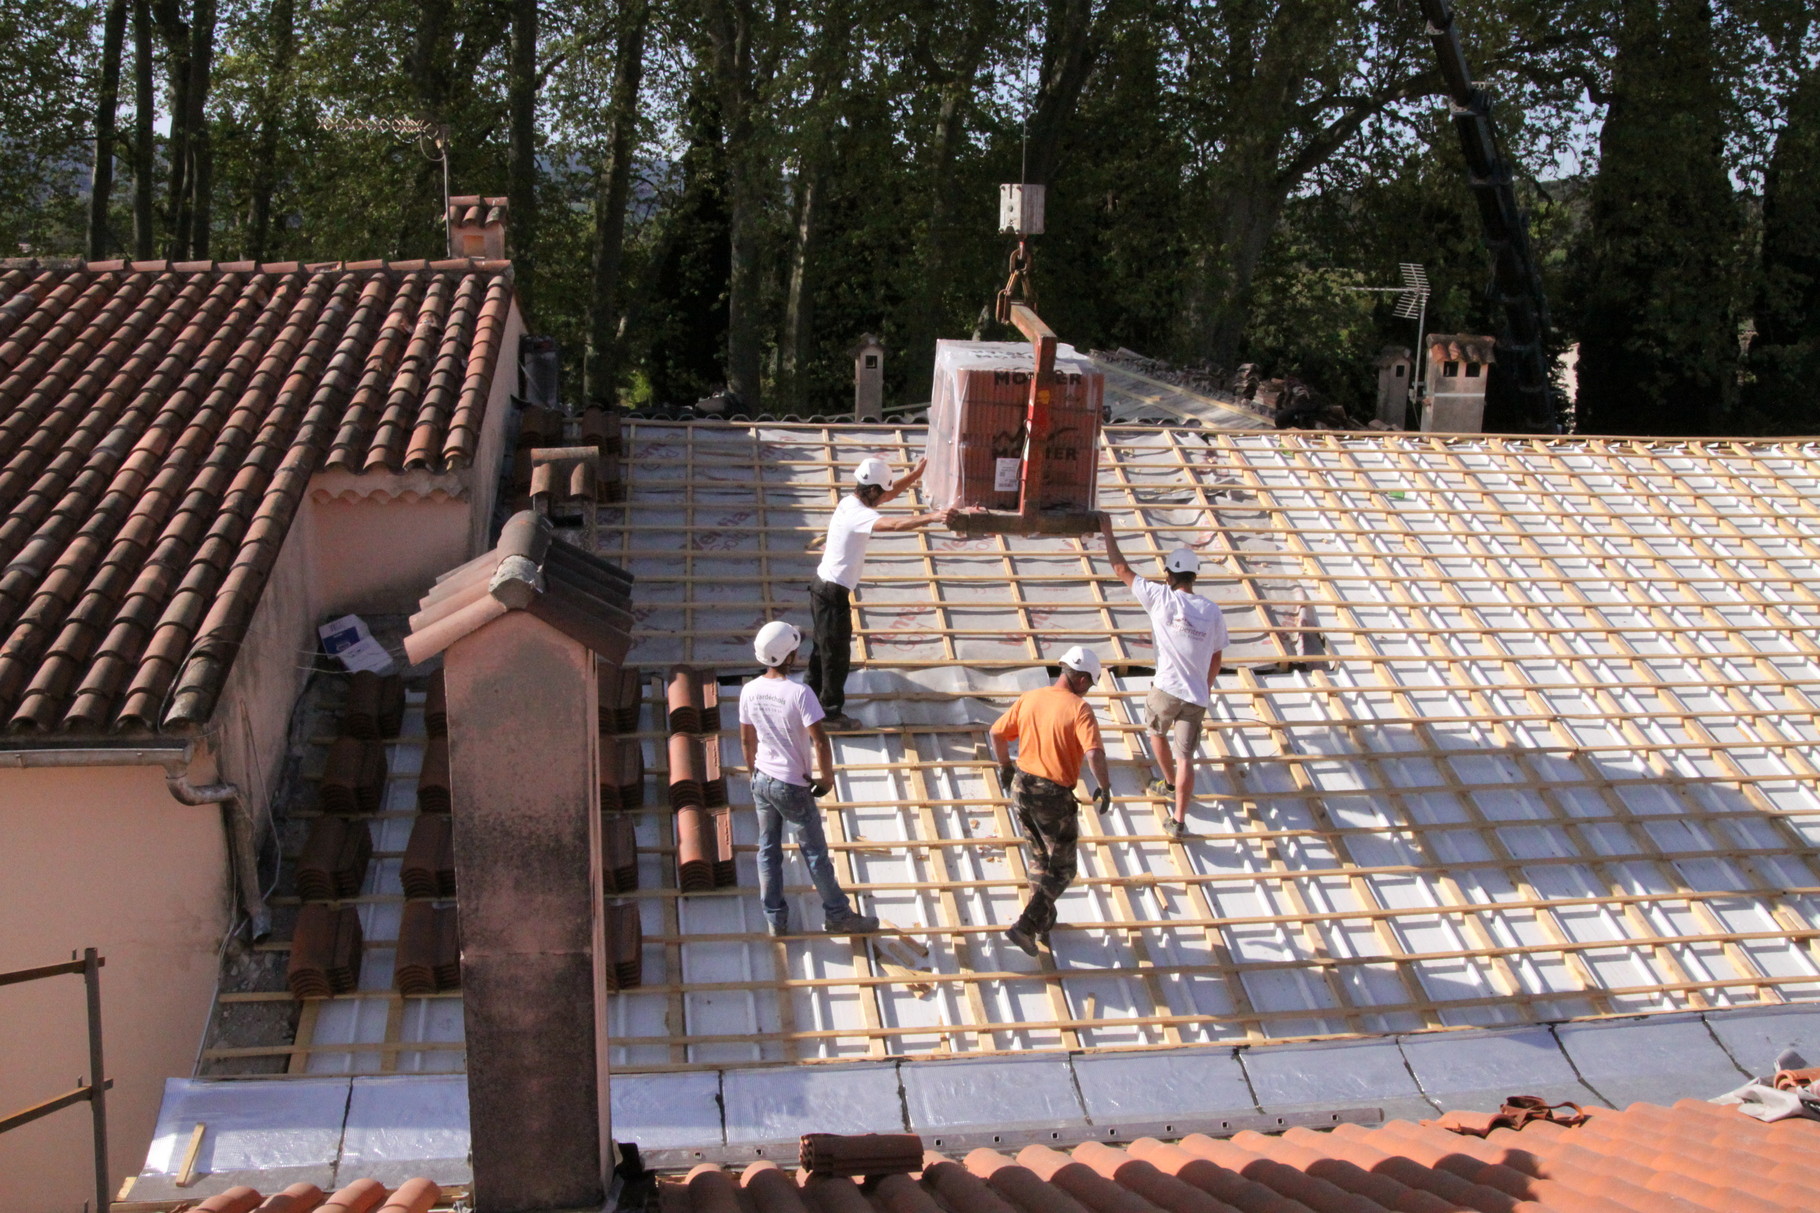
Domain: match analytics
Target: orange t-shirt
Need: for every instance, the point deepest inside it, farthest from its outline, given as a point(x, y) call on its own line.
point(1053, 728)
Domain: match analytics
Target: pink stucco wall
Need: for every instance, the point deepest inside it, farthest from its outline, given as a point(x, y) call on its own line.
point(100, 857)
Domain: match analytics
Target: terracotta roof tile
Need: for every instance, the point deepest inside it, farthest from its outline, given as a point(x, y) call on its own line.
point(159, 423)
point(1695, 1157)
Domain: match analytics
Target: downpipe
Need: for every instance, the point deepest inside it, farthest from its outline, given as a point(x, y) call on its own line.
point(239, 826)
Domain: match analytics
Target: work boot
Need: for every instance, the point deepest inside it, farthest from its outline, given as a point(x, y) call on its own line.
point(779, 927)
point(840, 722)
point(1162, 789)
point(1176, 830)
point(1022, 938)
point(851, 924)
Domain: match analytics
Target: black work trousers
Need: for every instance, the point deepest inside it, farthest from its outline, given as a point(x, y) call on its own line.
point(831, 607)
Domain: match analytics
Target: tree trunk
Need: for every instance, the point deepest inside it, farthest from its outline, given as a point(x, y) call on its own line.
point(201, 177)
point(276, 99)
point(144, 238)
point(107, 103)
point(521, 168)
point(175, 32)
point(799, 304)
point(600, 375)
point(731, 30)
point(1070, 47)
point(926, 319)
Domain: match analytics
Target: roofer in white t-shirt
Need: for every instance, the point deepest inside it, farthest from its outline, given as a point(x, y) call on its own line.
point(1190, 636)
point(855, 521)
point(779, 722)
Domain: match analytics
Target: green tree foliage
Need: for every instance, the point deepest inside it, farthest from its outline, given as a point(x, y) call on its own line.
point(1658, 322)
point(1784, 397)
point(729, 194)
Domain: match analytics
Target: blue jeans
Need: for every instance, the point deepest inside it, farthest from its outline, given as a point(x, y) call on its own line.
point(778, 802)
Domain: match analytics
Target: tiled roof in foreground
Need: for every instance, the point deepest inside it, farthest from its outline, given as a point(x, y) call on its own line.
point(159, 423)
point(1692, 1157)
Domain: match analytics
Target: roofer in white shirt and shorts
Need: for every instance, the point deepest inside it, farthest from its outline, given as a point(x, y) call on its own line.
point(779, 724)
point(855, 521)
point(1190, 637)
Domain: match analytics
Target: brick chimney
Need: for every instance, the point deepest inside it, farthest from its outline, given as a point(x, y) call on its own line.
point(477, 227)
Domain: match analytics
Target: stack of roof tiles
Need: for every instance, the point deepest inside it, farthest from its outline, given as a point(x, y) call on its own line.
point(334, 860)
point(704, 839)
point(353, 777)
point(428, 959)
point(619, 852)
point(361, 1196)
point(428, 869)
point(159, 424)
point(375, 706)
point(622, 693)
point(436, 707)
point(325, 951)
point(625, 937)
point(547, 430)
point(622, 772)
point(1690, 1158)
point(693, 700)
point(433, 794)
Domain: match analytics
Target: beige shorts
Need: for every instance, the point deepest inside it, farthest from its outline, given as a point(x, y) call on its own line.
point(1164, 713)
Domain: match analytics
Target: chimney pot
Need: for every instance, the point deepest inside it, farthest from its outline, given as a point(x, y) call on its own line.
point(477, 227)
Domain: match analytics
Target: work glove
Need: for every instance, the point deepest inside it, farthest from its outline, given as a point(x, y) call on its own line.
point(1102, 799)
point(1006, 773)
point(818, 788)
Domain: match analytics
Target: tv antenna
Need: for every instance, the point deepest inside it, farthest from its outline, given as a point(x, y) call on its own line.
point(432, 141)
point(1412, 304)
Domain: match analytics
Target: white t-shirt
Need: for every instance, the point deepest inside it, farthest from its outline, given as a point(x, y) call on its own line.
point(1189, 630)
point(845, 551)
point(781, 711)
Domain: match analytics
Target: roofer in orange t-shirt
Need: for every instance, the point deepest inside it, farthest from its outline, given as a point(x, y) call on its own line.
point(1054, 728)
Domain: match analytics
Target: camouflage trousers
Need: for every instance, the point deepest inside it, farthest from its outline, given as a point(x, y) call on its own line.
point(1051, 822)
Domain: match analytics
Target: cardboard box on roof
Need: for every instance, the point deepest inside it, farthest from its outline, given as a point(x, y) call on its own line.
point(976, 427)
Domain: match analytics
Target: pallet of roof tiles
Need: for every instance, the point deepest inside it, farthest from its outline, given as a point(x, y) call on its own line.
point(692, 698)
point(353, 777)
point(726, 869)
point(375, 707)
point(687, 760)
point(436, 708)
point(696, 850)
point(325, 951)
point(625, 946)
point(429, 951)
point(622, 773)
point(334, 859)
point(622, 695)
point(618, 853)
point(428, 869)
point(844, 1156)
point(433, 779)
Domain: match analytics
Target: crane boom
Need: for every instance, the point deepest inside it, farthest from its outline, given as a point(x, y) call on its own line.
point(1515, 277)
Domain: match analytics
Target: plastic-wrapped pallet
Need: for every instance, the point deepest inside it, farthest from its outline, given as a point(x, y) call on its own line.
point(976, 427)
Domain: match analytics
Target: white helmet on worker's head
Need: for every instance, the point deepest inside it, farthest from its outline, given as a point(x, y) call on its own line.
point(873, 472)
point(1082, 660)
point(776, 641)
point(1183, 560)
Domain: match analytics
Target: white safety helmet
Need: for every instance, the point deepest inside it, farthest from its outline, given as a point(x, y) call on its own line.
point(1083, 660)
point(776, 641)
point(873, 471)
point(1183, 560)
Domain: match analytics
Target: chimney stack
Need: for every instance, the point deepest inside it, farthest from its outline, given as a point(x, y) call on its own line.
point(477, 227)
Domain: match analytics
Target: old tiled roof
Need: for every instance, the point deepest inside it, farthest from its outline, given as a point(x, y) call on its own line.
point(1692, 1157)
point(159, 423)
point(1462, 347)
point(575, 592)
